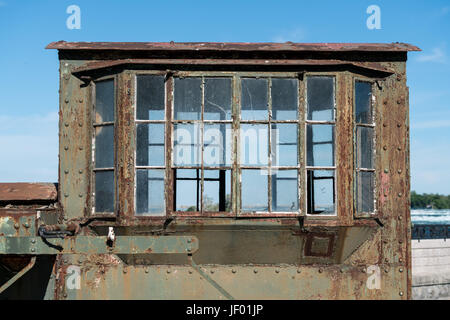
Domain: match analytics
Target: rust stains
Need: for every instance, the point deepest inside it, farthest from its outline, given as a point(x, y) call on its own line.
point(13, 192)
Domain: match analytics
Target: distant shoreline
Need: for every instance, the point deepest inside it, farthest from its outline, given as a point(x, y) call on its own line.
point(429, 201)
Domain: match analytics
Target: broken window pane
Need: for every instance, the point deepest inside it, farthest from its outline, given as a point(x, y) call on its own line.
point(364, 147)
point(363, 102)
point(284, 144)
point(150, 97)
point(187, 145)
point(104, 191)
point(320, 98)
point(217, 99)
point(320, 145)
point(104, 146)
point(285, 191)
point(188, 98)
point(254, 186)
point(284, 99)
point(104, 101)
point(150, 144)
point(187, 186)
point(254, 145)
point(217, 145)
point(254, 99)
point(320, 184)
point(217, 190)
point(150, 192)
point(365, 192)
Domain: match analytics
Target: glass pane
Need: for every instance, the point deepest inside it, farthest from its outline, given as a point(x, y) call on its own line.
point(150, 192)
point(320, 191)
point(217, 145)
point(217, 99)
point(254, 99)
point(187, 145)
point(104, 191)
point(150, 144)
point(254, 145)
point(364, 145)
point(254, 196)
point(150, 97)
point(320, 98)
point(284, 144)
point(284, 99)
point(363, 96)
point(187, 191)
point(217, 191)
point(320, 145)
point(365, 192)
point(188, 98)
point(104, 146)
point(104, 101)
point(285, 191)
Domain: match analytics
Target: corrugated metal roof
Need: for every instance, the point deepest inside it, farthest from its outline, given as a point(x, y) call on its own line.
point(232, 46)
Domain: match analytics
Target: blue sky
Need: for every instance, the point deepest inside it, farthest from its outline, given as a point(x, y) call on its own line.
point(29, 74)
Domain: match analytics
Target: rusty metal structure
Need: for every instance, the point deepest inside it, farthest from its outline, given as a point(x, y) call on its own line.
point(116, 227)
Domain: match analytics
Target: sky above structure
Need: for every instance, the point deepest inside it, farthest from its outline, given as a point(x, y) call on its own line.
point(29, 74)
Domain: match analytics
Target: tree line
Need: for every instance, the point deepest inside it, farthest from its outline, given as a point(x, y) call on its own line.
point(429, 201)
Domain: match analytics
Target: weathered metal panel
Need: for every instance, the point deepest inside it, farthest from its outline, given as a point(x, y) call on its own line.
point(27, 192)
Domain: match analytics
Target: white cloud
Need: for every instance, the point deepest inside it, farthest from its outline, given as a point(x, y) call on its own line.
point(29, 147)
point(295, 35)
point(437, 55)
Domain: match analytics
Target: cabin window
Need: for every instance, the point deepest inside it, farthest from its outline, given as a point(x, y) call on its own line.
point(103, 146)
point(320, 145)
point(364, 153)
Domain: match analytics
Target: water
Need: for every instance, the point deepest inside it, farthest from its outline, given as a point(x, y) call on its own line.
point(430, 216)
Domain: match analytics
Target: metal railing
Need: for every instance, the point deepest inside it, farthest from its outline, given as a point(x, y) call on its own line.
point(430, 231)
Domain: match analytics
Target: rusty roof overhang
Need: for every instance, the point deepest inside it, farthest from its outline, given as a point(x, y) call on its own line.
point(234, 46)
point(27, 192)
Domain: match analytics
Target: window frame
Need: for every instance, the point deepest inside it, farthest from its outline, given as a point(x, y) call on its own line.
point(374, 126)
point(93, 126)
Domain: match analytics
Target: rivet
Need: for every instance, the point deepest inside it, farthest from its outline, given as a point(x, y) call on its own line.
point(80, 195)
point(65, 295)
point(384, 147)
point(400, 241)
point(189, 249)
point(400, 270)
point(146, 270)
point(80, 261)
point(298, 270)
point(80, 171)
point(16, 225)
point(399, 217)
point(26, 225)
point(363, 270)
point(400, 260)
point(65, 260)
point(399, 101)
point(66, 171)
point(33, 240)
point(233, 270)
point(401, 293)
point(66, 124)
point(189, 240)
point(81, 100)
point(32, 249)
point(386, 270)
point(399, 77)
point(399, 148)
point(66, 195)
point(399, 194)
point(212, 271)
point(168, 271)
point(385, 194)
point(80, 124)
point(399, 125)
point(384, 124)
point(124, 270)
point(320, 270)
point(255, 271)
point(399, 170)
point(65, 218)
point(385, 241)
point(386, 171)
point(81, 148)
point(190, 271)
point(66, 101)
point(342, 270)
point(277, 270)
point(386, 260)
point(66, 148)
point(385, 102)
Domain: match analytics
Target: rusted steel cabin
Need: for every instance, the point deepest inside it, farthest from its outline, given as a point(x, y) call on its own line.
point(220, 171)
